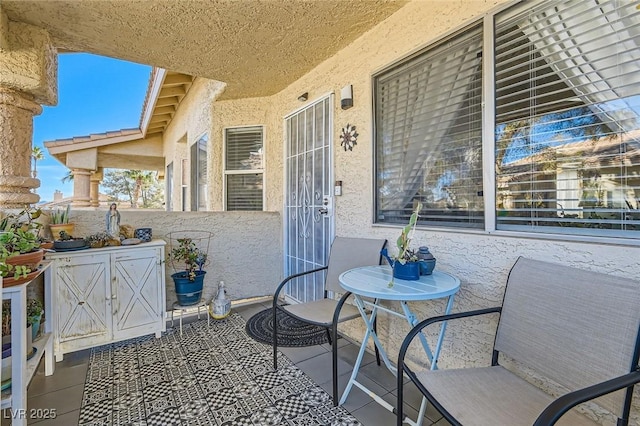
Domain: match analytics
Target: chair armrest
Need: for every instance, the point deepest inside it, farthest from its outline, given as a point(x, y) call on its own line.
point(557, 408)
point(289, 278)
point(422, 324)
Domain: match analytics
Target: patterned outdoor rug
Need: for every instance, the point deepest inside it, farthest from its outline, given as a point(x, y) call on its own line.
point(212, 375)
point(291, 332)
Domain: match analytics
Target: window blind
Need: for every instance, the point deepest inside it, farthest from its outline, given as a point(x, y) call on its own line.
point(428, 121)
point(567, 128)
point(244, 168)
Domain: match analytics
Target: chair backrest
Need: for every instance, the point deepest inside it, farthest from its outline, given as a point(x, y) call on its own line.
point(573, 326)
point(348, 253)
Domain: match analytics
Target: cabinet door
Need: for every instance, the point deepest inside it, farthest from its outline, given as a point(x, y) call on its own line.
point(82, 298)
point(136, 292)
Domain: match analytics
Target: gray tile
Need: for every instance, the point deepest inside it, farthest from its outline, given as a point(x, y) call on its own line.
point(301, 354)
point(75, 358)
point(247, 311)
point(374, 414)
point(413, 399)
point(357, 398)
point(319, 368)
point(65, 376)
point(380, 374)
point(63, 400)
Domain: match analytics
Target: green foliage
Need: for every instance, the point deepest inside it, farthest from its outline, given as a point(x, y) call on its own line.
point(406, 254)
point(24, 220)
point(133, 185)
point(34, 312)
point(13, 243)
point(59, 215)
point(188, 254)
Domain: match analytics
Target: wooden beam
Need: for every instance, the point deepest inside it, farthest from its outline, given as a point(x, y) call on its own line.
point(169, 109)
point(172, 91)
point(167, 101)
point(177, 80)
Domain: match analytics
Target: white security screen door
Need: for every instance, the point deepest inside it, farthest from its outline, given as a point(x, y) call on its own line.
point(308, 212)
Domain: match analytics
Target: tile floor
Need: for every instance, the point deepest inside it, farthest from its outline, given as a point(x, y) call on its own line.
point(63, 390)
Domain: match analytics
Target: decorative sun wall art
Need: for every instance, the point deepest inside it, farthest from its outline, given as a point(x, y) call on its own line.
point(348, 137)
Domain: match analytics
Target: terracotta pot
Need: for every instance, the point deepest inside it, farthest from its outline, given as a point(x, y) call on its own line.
point(56, 228)
point(31, 260)
point(10, 281)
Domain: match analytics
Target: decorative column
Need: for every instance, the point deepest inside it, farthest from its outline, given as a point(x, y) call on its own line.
point(16, 129)
point(28, 79)
point(94, 191)
point(81, 188)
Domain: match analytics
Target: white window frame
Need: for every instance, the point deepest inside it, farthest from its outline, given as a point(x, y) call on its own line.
point(239, 172)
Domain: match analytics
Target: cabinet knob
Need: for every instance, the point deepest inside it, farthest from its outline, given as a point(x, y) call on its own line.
point(81, 302)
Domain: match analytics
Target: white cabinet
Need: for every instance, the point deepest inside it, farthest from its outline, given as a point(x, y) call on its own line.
point(108, 294)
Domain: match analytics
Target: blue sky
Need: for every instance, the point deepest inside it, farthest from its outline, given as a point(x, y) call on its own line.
point(95, 94)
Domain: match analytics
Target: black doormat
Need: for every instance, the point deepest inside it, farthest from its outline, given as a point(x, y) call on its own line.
point(291, 332)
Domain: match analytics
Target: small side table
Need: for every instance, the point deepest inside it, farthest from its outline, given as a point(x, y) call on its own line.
point(202, 303)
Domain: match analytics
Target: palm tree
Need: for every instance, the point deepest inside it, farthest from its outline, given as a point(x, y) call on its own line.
point(141, 179)
point(36, 155)
point(68, 177)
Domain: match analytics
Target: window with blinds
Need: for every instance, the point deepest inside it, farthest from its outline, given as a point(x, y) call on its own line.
point(199, 174)
point(567, 128)
point(244, 173)
point(428, 135)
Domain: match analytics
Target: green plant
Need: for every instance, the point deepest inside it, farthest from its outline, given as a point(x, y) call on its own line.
point(34, 311)
point(18, 241)
point(405, 253)
point(59, 215)
point(13, 243)
point(98, 239)
point(24, 220)
point(189, 255)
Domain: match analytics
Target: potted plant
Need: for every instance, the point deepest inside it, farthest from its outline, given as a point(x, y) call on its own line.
point(20, 255)
point(409, 263)
point(188, 258)
point(34, 316)
point(59, 221)
point(97, 240)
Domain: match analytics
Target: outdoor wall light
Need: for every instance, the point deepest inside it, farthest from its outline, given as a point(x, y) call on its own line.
point(346, 97)
point(303, 97)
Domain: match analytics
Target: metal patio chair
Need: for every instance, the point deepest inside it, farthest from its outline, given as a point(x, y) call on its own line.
point(579, 329)
point(345, 254)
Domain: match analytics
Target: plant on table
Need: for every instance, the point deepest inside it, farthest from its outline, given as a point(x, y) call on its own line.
point(405, 253)
point(13, 244)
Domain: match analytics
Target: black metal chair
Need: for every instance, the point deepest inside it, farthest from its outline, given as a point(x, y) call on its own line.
point(345, 254)
point(579, 329)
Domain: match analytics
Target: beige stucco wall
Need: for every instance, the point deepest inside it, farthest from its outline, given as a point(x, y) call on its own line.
point(244, 251)
point(481, 260)
point(192, 120)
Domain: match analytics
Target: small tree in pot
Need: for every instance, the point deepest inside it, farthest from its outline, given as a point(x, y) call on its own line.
point(188, 255)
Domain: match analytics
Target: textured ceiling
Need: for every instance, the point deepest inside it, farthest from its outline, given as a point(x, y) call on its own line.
point(256, 47)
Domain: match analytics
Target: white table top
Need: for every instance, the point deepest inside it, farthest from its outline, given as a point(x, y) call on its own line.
point(373, 281)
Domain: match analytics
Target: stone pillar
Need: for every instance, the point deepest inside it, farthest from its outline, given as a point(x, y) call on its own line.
point(28, 79)
point(94, 190)
point(16, 129)
point(81, 188)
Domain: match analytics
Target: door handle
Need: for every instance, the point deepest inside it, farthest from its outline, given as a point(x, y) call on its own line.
point(323, 210)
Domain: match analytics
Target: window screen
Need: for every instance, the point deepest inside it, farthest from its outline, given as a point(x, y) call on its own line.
point(199, 174)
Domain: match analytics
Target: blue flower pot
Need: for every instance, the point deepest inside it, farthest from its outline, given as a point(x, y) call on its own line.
point(188, 292)
point(408, 271)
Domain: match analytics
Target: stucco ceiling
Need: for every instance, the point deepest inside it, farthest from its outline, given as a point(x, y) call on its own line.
point(257, 47)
